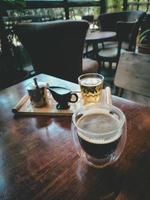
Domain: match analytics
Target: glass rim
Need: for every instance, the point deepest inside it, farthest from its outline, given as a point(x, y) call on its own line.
point(91, 74)
point(121, 121)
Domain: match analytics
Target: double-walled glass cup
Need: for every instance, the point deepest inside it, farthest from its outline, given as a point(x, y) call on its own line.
point(99, 134)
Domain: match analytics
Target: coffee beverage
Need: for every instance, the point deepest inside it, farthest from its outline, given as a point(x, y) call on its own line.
point(99, 134)
point(91, 87)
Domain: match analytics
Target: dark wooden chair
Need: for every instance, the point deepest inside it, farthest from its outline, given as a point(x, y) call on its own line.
point(56, 48)
point(112, 54)
point(126, 24)
point(108, 21)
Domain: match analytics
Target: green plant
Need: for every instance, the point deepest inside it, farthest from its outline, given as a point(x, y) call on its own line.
point(144, 36)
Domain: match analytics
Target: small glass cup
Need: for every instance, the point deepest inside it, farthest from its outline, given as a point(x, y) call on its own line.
point(38, 96)
point(99, 134)
point(91, 85)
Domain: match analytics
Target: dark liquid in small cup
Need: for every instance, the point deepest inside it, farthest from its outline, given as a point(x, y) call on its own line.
point(96, 145)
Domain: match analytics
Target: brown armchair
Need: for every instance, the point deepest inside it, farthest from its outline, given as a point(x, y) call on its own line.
point(55, 48)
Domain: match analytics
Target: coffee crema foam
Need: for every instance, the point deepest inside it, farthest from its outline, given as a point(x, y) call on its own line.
point(91, 81)
point(99, 124)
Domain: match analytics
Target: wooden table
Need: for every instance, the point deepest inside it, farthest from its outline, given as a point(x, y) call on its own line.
point(96, 37)
point(39, 162)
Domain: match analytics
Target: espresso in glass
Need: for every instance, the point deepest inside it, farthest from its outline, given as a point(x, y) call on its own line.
point(95, 145)
point(99, 134)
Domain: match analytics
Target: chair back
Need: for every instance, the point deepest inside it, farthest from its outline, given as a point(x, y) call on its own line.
point(55, 47)
point(109, 22)
point(122, 36)
point(133, 73)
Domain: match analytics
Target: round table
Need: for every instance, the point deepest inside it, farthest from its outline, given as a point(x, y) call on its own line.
point(98, 36)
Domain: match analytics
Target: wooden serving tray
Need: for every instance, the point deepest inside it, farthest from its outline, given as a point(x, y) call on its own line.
point(24, 106)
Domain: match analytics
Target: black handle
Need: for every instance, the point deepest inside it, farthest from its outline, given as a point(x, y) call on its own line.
point(74, 100)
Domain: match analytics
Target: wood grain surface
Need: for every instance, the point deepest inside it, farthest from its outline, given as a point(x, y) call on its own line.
point(38, 160)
